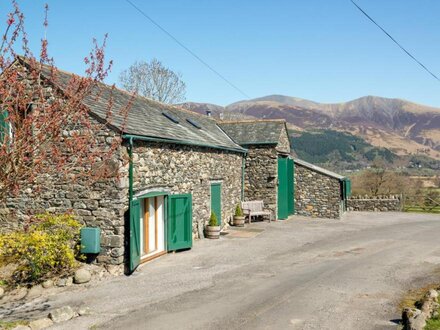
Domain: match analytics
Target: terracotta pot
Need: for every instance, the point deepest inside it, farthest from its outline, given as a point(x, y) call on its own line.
point(212, 232)
point(238, 221)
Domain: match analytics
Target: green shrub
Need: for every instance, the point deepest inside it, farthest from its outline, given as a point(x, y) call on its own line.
point(212, 219)
point(47, 247)
point(238, 211)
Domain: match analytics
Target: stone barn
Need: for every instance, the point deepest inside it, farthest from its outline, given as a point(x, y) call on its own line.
point(268, 166)
point(319, 192)
point(182, 165)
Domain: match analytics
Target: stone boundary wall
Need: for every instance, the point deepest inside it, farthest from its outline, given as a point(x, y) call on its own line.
point(375, 203)
point(316, 195)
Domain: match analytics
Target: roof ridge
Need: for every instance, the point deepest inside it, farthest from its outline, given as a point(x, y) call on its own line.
point(132, 94)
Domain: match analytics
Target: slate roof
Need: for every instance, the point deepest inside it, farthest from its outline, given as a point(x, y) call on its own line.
point(146, 117)
point(318, 169)
point(252, 132)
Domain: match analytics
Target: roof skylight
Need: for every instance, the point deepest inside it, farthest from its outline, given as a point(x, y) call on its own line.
point(170, 117)
point(194, 123)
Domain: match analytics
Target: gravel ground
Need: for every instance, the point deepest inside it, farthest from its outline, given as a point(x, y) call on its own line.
point(294, 274)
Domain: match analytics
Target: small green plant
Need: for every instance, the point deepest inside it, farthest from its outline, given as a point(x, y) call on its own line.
point(47, 247)
point(212, 220)
point(238, 211)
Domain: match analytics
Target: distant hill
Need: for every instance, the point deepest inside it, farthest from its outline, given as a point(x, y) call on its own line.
point(404, 127)
point(338, 150)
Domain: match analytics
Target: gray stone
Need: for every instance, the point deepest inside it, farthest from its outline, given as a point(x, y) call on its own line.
point(413, 319)
point(17, 294)
point(35, 291)
point(2, 292)
point(65, 281)
point(47, 284)
point(84, 310)
point(41, 324)
point(82, 276)
point(62, 314)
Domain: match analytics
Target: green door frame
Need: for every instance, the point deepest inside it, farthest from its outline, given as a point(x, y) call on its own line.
point(216, 201)
point(291, 186)
point(282, 200)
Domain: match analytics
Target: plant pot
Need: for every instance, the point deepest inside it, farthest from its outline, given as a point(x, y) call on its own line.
point(212, 232)
point(238, 221)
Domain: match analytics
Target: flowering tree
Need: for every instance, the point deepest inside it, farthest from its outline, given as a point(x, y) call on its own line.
point(46, 129)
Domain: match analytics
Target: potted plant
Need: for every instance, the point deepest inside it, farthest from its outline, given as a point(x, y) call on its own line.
point(238, 217)
point(212, 230)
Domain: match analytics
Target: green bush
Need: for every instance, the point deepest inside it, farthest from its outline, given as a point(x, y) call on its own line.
point(238, 211)
point(212, 220)
point(47, 247)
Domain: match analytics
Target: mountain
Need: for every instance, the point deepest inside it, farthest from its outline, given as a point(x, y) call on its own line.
point(402, 126)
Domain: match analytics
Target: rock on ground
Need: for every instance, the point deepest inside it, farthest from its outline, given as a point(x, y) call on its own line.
point(2, 292)
point(40, 324)
point(82, 276)
point(17, 294)
point(62, 314)
point(35, 292)
point(47, 284)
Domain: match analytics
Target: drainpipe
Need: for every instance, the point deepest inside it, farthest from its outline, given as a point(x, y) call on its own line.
point(130, 171)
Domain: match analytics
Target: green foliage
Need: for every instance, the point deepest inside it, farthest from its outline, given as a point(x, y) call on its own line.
point(433, 323)
point(7, 325)
point(238, 211)
point(325, 146)
point(212, 220)
point(47, 247)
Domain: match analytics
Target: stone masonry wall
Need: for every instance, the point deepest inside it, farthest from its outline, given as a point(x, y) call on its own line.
point(316, 195)
point(185, 169)
point(375, 203)
point(261, 176)
point(283, 143)
point(101, 204)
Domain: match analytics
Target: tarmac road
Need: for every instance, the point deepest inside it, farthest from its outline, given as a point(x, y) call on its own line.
point(296, 274)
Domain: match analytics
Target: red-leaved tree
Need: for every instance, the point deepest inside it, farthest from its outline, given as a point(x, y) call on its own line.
point(47, 131)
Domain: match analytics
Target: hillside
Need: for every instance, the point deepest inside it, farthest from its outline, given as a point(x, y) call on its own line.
point(404, 127)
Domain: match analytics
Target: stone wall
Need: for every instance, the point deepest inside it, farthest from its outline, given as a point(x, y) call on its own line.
point(260, 181)
point(101, 204)
point(185, 169)
point(375, 203)
point(283, 145)
point(316, 194)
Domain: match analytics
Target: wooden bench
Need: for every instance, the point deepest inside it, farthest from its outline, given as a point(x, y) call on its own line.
point(254, 209)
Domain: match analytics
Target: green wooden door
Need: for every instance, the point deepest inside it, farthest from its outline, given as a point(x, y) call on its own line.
point(179, 222)
point(216, 201)
point(283, 204)
point(4, 126)
point(291, 186)
point(135, 234)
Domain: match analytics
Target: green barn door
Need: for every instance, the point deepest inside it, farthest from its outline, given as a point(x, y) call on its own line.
point(179, 222)
point(283, 204)
point(135, 234)
point(291, 186)
point(216, 201)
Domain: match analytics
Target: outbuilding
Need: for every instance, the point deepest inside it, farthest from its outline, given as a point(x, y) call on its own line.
point(181, 167)
point(268, 166)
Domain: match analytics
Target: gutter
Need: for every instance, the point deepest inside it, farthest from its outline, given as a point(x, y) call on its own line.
point(207, 145)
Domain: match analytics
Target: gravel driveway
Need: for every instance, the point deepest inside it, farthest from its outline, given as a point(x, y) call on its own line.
point(295, 274)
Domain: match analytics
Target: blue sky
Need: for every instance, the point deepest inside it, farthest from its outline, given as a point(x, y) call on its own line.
point(315, 49)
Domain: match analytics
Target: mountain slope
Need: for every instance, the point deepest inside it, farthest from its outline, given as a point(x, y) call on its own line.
point(402, 126)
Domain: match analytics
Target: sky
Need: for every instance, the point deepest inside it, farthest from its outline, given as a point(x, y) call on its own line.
point(321, 50)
